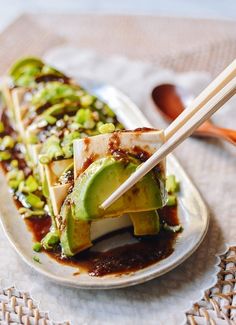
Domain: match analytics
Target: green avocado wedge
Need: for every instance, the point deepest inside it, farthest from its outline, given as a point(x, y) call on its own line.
point(22, 63)
point(23, 71)
point(101, 178)
point(75, 235)
point(145, 223)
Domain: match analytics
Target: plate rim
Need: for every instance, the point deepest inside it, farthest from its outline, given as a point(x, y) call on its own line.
point(125, 281)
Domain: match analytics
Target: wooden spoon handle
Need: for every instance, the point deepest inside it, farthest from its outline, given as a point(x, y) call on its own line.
point(226, 134)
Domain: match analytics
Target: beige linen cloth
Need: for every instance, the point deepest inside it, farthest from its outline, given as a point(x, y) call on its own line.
point(211, 165)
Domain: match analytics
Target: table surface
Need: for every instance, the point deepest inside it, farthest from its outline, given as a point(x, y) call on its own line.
point(176, 43)
point(226, 9)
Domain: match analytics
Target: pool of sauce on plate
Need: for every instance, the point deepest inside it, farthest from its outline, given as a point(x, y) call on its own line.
point(52, 77)
point(146, 251)
point(124, 259)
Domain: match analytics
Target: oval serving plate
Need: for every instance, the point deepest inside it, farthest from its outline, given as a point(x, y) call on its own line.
point(192, 213)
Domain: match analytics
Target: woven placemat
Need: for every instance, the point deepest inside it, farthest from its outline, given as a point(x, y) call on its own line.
point(17, 307)
point(179, 44)
point(218, 305)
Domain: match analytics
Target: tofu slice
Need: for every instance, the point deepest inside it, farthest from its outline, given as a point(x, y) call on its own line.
point(7, 94)
point(98, 146)
point(55, 168)
point(57, 192)
point(20, 109)
point(34, 152)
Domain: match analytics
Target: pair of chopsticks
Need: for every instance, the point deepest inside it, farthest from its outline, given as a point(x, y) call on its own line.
point(217, 93)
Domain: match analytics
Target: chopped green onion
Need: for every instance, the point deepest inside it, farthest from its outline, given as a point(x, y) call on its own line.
point(15, 177)
point(98, 104)
point(5, 155)
point(50, 119)
point(44, 159)
point(177, 228)
point(15, 174)
point(12, 174)
point(14, 163)
point(2, 128)
point(51, 149)
point(20, 175)
point(31, 184)
point(50, 240)
point(32, 139)
point(172, 186)
point(74, 126)
point(171, 200)
point(66, 117)
point(34, 201)
point(37, 247)
point(27, 213)
point(22, 210)
point(100, 123)
point(89, 124)
point(36, 259)
point(85, 117)
point(107, 128)
point(68, 151)
point(107, 110)
point(86, 100)
point(7, 142)
point(55, 92)
point(21, 186)
point(13, 183)
point(67, 143)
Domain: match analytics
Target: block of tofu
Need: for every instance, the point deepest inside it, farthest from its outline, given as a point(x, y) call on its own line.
point(90, 149)
point(7, 94)
point(20, 109)
point(57, 191)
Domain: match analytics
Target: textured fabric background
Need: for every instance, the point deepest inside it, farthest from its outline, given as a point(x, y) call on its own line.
point(177, 43)
point(209, 163)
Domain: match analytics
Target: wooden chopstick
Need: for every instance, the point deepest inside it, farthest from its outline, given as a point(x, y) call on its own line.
point(185, 130)
point(219, 82)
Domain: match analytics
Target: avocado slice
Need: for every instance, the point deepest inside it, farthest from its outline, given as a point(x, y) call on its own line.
point(75, 236)
point(24, 71)
point(19, 65)
point(145, 223)
point(101, 178)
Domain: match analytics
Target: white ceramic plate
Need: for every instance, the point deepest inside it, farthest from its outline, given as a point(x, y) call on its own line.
point(193, 216)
